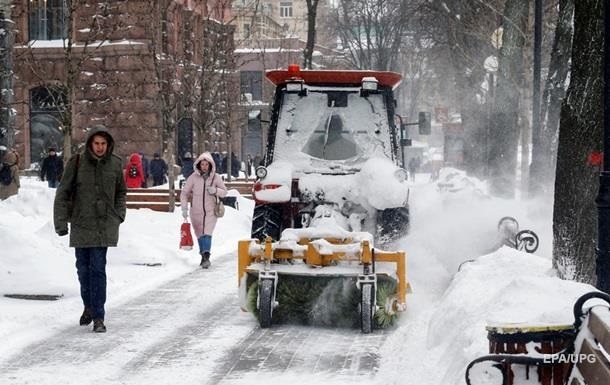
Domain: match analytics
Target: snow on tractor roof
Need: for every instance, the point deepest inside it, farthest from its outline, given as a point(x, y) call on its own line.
point(387, 79)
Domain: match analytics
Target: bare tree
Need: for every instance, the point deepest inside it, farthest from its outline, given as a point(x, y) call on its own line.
point(312, 11)
point(372, 31)
point(80, 43)
point(544, 155)
point(505, 127)
point(580, 135)
point(462, 33)
point(7, 33)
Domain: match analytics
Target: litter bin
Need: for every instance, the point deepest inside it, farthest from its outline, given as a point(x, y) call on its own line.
point(533, 341)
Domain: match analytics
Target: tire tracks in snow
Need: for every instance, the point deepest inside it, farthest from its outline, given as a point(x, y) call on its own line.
point(301, 352)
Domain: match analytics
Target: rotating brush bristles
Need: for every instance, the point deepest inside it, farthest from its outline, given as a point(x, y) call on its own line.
point(324, 301)
point(385, 316)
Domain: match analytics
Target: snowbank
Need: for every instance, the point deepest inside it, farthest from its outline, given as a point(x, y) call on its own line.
point(36, 261)
point(505, 288)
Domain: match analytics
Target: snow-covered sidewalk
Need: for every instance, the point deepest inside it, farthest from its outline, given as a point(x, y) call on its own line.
point(442, 330)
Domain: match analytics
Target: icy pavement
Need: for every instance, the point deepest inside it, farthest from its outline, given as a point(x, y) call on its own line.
point(191, 331)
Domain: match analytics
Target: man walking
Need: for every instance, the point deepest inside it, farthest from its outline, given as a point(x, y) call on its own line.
point(158, 170)
point(91, 196)
point(52, 169)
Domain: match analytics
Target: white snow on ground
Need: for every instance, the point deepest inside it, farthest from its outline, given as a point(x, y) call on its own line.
point(442, 330)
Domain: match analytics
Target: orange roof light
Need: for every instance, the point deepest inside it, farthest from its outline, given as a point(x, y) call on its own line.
point(294, 71)
point(324, 77)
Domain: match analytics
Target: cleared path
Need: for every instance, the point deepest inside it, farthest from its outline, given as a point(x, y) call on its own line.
point(191, 331)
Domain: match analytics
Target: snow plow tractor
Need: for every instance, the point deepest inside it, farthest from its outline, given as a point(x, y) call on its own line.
point(329, 196)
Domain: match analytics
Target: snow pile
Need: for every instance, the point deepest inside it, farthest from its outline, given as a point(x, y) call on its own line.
point(456, 182)
point(506, 288)
point(376, 185)
point(36, 261)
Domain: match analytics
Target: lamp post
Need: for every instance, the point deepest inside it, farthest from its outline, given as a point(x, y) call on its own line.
point(535, 168)
point(603, 197)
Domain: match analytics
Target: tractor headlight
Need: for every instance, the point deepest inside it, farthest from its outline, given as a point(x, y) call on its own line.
point(401, 174)
point(369, 83)
point(261, 172)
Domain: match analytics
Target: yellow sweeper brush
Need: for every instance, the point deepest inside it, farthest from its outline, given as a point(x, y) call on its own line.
point(321, 281)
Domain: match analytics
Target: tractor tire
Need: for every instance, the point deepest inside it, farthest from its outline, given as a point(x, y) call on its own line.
point(267, 221)
point(367, 308)
point(392, 223)
point(265, 303)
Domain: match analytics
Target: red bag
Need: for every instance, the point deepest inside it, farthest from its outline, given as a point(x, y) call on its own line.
point(186, 239)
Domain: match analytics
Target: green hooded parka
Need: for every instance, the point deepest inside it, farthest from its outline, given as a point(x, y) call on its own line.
point(97, 207)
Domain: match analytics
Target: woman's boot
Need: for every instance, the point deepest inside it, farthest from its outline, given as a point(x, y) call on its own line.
point(205, 260)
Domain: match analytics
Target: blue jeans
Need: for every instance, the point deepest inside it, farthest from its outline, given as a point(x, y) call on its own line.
point(91, 269)
point(53, 183)
point(205, 243)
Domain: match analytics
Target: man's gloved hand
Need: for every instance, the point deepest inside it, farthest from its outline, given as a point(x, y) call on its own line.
point(211, 190)
point(185, 212)
point(62, 232)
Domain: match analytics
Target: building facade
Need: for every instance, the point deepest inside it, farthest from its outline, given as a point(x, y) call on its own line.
point(134, 66)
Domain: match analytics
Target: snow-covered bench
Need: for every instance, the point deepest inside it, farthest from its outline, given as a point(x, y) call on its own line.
point(582, 360)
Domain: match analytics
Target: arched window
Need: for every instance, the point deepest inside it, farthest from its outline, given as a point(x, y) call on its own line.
point(47, 19)
point(47, 104)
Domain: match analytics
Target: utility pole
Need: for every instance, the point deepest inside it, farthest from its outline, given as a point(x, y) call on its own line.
point(534, 180)
point(603, 198)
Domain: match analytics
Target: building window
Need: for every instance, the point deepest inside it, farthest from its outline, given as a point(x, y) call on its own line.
point(286, 9)
point(246, 31)
point(252, 83)
point(47, 19)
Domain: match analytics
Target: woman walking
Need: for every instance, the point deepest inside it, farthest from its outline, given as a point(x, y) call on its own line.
point(202, 187)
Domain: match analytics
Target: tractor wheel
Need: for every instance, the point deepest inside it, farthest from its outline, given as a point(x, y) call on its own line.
point(265, 302)
point(267, 221)
point(367, 308)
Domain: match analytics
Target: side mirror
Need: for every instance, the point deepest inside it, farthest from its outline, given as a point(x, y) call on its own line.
point(425, 124)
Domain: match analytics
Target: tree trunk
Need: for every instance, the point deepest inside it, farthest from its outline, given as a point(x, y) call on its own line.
point(580, 134)
point(312, 10)
point(6, 79)
point(504, 136)
point(542, 169)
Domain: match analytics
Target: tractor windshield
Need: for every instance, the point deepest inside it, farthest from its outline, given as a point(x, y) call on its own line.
point(332, 130)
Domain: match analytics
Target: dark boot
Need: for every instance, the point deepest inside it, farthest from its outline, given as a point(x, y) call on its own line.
point(205, 259)
point(85, 318)
point(98, 325)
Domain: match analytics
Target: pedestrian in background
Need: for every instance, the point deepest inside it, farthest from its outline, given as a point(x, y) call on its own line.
point(91, 197)
point(9, 174)
point(224, 164)
point(134, 172)
point(158, 170)
point(258, 161)
point(249, 165)
point(146, 169)
point(217, 161)
point(203, 186)
point(235, 165)
point(52, 169)
point(187, 165)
